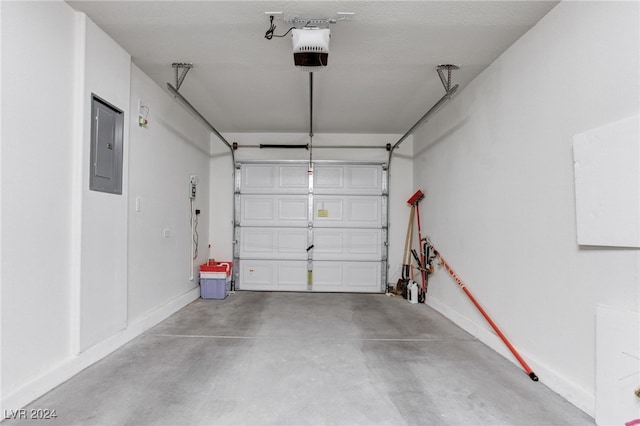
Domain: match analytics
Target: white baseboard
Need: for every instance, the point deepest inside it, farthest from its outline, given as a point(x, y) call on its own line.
point(576, 395)
point(70, 367)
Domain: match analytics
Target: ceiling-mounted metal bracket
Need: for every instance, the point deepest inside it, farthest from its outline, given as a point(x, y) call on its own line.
point(296, 20)
point(185, 67)
point(446, 81)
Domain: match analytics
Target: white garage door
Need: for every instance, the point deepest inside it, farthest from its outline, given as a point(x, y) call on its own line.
point(323, 230)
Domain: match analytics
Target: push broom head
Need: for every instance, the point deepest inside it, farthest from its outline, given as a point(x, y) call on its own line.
point(415, 198)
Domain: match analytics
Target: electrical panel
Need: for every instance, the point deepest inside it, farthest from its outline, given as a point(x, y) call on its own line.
point(107, 125)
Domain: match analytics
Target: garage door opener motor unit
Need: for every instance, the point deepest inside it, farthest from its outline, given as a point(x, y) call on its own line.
point(311, 48)
point(310, 42)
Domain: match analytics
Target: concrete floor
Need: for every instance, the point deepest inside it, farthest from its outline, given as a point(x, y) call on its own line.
point(305, 359)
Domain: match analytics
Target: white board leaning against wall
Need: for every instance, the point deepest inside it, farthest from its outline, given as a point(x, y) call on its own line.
point(607, 182)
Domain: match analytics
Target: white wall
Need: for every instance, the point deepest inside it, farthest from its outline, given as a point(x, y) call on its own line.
point(497, 165)
point(1, 241)
point(74, 260)
point(400, 187)
point(37, 135)
point(163, 155)
point(103, 288)
point(618, 365)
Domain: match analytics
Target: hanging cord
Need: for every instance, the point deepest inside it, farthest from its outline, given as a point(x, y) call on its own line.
point(193, 222)
point(270, 32)
point(196, 238)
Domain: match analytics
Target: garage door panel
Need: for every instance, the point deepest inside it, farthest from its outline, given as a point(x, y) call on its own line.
point(348, 227)
point(328, 210)
point(348, 179)
point(346, 276)
point(273, 243)
point(293, 243)
point(274, 179)
point(364, 179)
point(362, 275)
point(365, 243)
point(274, 210)
point(328, 179)
point(292, 276)
point(365, 211)
point(273, 276)
point(293, 209)
point(258, 178)
point(328, 243)
point(327, 274)
point(257, 275)
point(347, 211)
point(347, 244)
point(293, 178)
point(258, 209)
point(257, 242)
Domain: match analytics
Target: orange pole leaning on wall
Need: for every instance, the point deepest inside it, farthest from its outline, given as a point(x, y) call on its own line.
point(493, 325)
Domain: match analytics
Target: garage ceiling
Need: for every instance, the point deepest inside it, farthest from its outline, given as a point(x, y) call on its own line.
point(380, 77)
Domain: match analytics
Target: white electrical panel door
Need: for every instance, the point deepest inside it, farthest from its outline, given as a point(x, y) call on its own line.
point(338, 246)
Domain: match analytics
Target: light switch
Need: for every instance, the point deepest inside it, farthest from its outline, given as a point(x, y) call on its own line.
point(138, 204)
point(166, 232)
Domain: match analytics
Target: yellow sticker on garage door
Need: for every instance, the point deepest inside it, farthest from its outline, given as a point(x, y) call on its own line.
point(323, 213)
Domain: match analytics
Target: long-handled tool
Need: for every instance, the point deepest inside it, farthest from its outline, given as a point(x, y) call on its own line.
point(407, 272)
point(414, 201)
point(486, 316)
point(406, 257)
